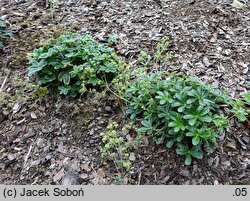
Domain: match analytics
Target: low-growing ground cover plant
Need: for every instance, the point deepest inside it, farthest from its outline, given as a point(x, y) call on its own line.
point(161, 55)
point(71, 64)
point(116, 146)
point(175, 110)
point(178, 111)
point(241, 108)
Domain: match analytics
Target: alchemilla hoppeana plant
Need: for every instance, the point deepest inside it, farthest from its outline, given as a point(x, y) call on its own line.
point(179, 111)
point(72, 64)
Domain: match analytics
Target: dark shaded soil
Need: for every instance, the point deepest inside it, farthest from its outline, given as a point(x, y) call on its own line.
point(209, 39)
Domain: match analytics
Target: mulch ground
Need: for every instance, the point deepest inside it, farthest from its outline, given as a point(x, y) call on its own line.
point(210, 39)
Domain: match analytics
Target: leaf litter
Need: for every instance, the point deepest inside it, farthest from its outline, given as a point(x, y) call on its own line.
point(209, 39)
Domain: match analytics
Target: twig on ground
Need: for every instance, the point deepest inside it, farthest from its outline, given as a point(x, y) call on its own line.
point(4, 81)
point(27, 156)
point(139, 179)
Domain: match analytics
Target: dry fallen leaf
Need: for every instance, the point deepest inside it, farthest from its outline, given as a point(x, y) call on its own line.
point(16, 108)
point(231, 145)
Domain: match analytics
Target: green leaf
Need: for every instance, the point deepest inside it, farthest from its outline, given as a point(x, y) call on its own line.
point(172, 124)
point(205, 118)
point(176, 129)
point(66, 78)
point(64, 89)
point(144, 129)
point(246, 97)
point(181, 109)
point(180, 138)
point(170, 144)
point(182, 151)
point(195, 140)
point(36, 67)
point(148, 128)
point(196, 148)
point(192, 121)
point(162, 102)
point(204, 111)
point(190, 134)
point(176, 104)
point(191, 100)
point(45, 79)
point(188, 159)
point(197, 155)
point(240, 113)
point(188, 116)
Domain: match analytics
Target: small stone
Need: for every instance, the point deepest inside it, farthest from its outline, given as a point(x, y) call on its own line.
point(226, 163)
point(216, 182)
point(11, 157)
point(210, 161)
point(184, 173)
point(84, 176)
point(108, 109)
point(70, 179)
point(132, 157)
point(40, 142)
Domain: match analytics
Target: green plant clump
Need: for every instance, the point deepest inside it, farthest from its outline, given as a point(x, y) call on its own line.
point(240, 108)
point(72, 64)
point(4, 32)
point(116, 146)
point(161, 54)
point(177, 111)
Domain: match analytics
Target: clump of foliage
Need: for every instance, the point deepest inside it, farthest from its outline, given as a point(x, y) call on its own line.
point(112, 38)
point(72, 64)
point(4, 32)
point(178, 111)
point(116, 146)
point(160, 56)
point(240, 108)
